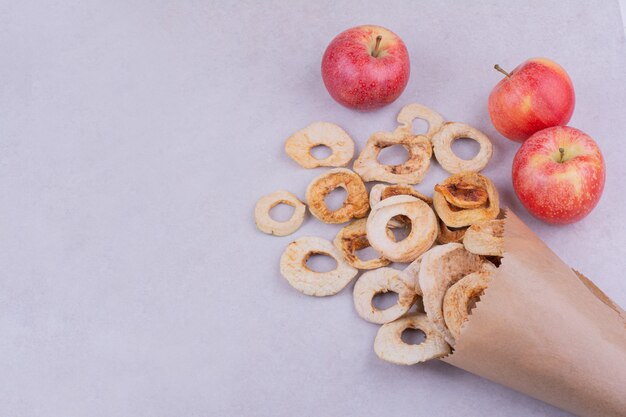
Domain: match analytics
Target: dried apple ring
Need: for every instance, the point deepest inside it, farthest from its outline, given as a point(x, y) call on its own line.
point(352, 238)
point(380, 281)
point(382, 191)
point(485, 238)
point(294, 269)
point(463, 195)
point(454, 216)
point(461, 298)
point(298, 146)
point(273, 227)
point(356, 204)
point(442, 144)
point(440, 268)
point(417, 111)
point(412, 171)
point(448, 235)
point(389, 346)
point(423, 228)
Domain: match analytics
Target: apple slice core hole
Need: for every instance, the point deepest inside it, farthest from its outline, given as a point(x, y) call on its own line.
point(336, 198)
point(393, 155)
point(321, 152)
point(384, 300)
point(401, 233)
point(413, 336)
point(465, 148)
point(420, 126)
point(321, 262)
point(282, 212)
point(368, 253)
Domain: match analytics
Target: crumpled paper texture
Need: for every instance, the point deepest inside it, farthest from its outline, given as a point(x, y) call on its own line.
point(543, 329)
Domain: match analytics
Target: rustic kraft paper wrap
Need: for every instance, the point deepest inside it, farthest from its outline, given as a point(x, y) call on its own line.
point(547, 331)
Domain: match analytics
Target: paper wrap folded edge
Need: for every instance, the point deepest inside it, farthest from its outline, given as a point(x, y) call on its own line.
point(546, 330)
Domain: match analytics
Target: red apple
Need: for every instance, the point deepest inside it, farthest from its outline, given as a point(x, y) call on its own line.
point(536, 95)
point(366, 67)
point(558, 174)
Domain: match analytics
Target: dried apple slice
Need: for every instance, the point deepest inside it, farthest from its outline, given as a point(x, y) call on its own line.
point(412, 171)
point(298, 146)
point(463, 195)
point(389, 346)
point(461, 298)
point(442, 147)
point(294, 269)
point(423, 228)
point(454, 216)
point(380, 281)
point(440, 268)
point(352, 238)
point(273, 227)
point(485, 238)
point(382, 191)
point(356, 204)
point(417, 111)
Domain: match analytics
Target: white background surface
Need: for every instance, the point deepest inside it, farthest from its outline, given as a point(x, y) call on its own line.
point(135, 138)
point(622, 4)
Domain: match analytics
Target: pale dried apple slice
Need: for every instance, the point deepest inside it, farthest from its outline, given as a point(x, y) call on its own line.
point(380, 281)
point(417, 111)
point(356, 204)
point(440, 268)
point(485, 238)
point(293, 267)
point(298, 146)
point(423, 232)
point(442, 147)
point(454, 216)
point(461, 297)
point(382, 191)
point(390, 347)
point(412, 171)
point(274, 227)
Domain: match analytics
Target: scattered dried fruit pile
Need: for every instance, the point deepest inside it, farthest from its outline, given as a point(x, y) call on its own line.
point(454, 241)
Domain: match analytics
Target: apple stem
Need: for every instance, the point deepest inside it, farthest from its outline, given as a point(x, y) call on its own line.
point(498, 68)
point(375, 51)
point(562, 152)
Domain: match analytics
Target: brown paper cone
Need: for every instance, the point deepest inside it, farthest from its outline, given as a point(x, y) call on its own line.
point(542, 329)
